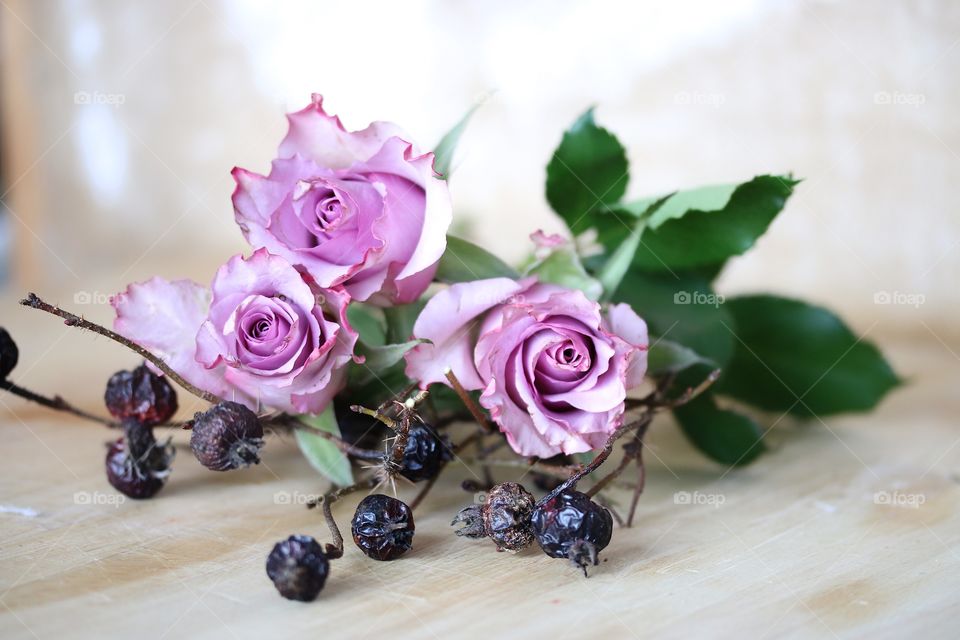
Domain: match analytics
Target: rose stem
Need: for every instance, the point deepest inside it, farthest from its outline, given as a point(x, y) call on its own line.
point(424, 491)
point(638, 489)
point(335, 550)
point(392, 401)
point(56, 403)
point(344, 446)
point(468, 402)
point(72, 320)
point(599, 459)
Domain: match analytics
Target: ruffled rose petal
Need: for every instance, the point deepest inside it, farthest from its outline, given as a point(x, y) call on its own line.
point(623, 322)
point(448, 322)
point(164, 317)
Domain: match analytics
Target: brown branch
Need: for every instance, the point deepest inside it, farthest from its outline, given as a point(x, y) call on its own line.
point(294, 422)
point(468, 402)
point(56, 403)
point(335, 550)
point(72, 320)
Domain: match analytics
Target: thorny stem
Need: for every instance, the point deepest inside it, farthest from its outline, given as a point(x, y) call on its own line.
point(72, 320)
point(56, 403)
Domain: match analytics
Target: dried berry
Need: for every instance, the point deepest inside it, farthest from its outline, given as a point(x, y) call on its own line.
point(142, 474)
point(425, 453)
point(504, 517)
point(227, 436)
point(142, 395)
point(298, 568)
point(572, 526)
point(383, 527)
point(9, 354)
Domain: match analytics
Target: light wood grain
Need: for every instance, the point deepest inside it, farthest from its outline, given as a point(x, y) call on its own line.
point(798, 548)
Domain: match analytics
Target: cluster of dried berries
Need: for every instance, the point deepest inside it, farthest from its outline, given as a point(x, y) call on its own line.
point(565, 523)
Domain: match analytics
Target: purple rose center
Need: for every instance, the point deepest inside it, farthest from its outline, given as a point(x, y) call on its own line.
point(270, 334)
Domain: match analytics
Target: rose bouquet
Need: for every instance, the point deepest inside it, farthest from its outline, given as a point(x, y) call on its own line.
point(390, 348)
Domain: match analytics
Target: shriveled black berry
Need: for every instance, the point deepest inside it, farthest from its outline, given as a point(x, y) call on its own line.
point(383, 527)
point(9, 354)
point(226, 436)
point(141, 395)
point(138, 475)
point(298, 568)
point(504, 517)
point(572, 526)
point(425, 453)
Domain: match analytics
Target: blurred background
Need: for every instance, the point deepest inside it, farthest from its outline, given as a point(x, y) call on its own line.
point(121, 122)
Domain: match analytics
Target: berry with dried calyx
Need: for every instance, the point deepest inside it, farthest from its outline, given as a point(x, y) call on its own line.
point(425, 454)
point(9, 354)
point(572, 526)
point(298, 568)
point(141, 395)
point(383, 527)
point(226, 436)
point(137, 465)
point(504, 517)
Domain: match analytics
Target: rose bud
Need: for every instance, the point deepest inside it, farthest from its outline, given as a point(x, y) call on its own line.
point(9, 354)
point(226, 436)
point(140, 395)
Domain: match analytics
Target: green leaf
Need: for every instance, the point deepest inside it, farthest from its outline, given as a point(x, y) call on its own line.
point(788, 349)
point(726, 436)
point(588, 171)
point(666, 356)
point(443, 154)
point(679, 237)
point(323, 455)
point(683, 308)
point(562, 266)
point(400, 320)
point(614, 269)
point(464, 261)
point(368, 323)
point(383, 357)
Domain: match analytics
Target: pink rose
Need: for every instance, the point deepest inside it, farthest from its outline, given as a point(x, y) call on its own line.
point(362, 209)
point(554, 370)
point(266, 337)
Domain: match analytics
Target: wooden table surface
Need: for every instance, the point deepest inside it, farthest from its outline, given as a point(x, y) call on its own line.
point(848, 528)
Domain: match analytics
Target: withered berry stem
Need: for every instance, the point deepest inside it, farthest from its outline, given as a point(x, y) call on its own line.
point(468, 402)
point(600, 458)
point(72, 320)
point(56, 403)
point(376, 415)
point(335, 550)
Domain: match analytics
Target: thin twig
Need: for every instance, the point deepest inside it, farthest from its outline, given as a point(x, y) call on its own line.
point(56, 403)
point(72, 320)
point(335, 550)
point(600, 458)
point(468, 402)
